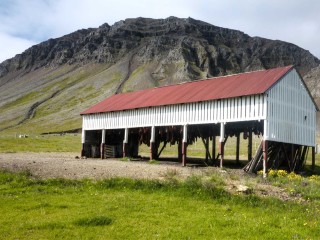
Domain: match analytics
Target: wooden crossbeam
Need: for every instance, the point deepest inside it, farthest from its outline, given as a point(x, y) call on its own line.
point(163, 147)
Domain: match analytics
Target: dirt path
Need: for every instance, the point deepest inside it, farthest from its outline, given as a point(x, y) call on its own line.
point(65, 165)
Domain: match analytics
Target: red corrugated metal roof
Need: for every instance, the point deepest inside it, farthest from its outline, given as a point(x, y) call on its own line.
point(202, 90)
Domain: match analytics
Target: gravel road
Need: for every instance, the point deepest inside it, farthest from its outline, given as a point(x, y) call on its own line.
point(65, 165)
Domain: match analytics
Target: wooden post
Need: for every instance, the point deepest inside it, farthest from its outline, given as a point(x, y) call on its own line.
point(180, 150)
point(313, 158)
point(238, 149)
point(265, 157)
point(213, 148)
point(207, 148)
point(103, 144)
point(184, 154)
point(291, 159)
point(125, 142)
point(250, 145)
point(83, 141)
point(83, 152)
point(163, 147)
point(184, 145)
point(152, 147)
point(221, 153)
point(152, 143)
point(221, 144)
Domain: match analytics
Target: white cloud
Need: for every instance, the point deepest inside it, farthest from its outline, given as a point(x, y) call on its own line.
point(34, 21)
point(10, 46)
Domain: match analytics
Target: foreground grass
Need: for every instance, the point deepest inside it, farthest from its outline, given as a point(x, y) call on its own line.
point(139, 209)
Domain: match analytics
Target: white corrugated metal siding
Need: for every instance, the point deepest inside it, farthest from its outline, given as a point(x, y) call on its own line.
point(225, 110)
point(287, 109)
point(291, 113)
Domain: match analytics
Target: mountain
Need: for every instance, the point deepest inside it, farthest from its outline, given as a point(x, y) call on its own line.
point(46, 87)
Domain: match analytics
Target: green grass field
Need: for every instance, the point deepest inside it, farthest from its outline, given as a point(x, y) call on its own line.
point(196, 208)
point(138, 209)
point(41, 143)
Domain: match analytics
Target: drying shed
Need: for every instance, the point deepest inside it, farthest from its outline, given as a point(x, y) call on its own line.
point(274, 103)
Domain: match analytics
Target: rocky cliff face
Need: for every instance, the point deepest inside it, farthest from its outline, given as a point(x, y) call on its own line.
point(312, 79)
point(140, 53)
point(202, 47)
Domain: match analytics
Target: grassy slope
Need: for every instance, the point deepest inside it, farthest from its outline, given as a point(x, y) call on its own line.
point(77, 90)
point(136, 209)
point(74, 89)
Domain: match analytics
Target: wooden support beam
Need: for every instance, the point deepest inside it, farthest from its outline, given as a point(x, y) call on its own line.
point(250, 145)
point(287, 157)
point(313, 158)
point(83, 141)
point(125, 150)
point(152, 142)
point(103, 144)
point(184, 154)
point(297, 157)
point(221, 144)
point(184, 145)
point(205, 142)
point(291, 157)
point(206, 146)
point(180, 150)
point(225, 140)
point(163, 147)
point(213, 147)
point(207, 149)
point(152, 147)
point(125, 142)
point(238, 149)
point(265, 157)
point(304, 155)
point(102, 150)
point(83, 152)
point(221, 153)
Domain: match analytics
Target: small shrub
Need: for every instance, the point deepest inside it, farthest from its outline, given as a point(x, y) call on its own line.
point(314, 178)
point(93, 221)
point(260, 173)
point(277, 173)
point(293, 176)
point(282, 173)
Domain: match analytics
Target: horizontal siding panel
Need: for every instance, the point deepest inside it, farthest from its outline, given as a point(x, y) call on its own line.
point(224, 110)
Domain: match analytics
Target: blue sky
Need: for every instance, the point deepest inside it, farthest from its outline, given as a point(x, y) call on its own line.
point(24, 23)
